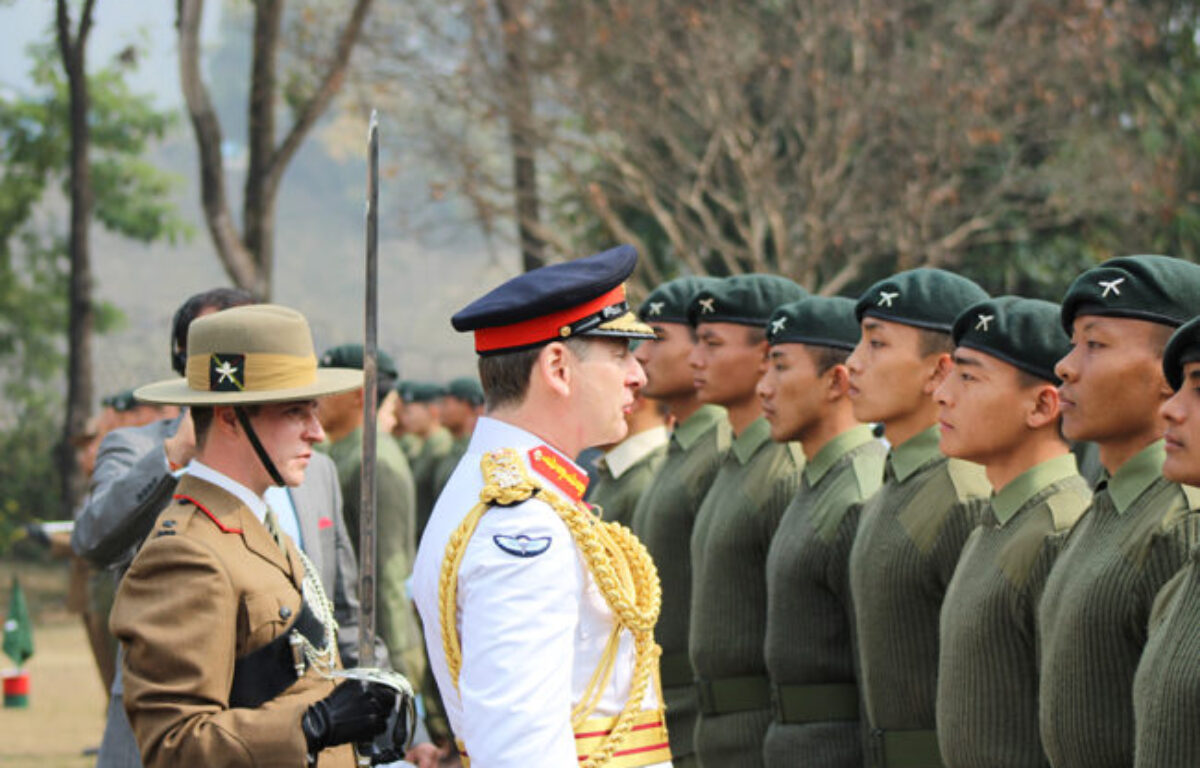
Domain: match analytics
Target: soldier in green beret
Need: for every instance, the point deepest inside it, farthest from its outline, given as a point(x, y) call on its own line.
point(422, 417)
point(808, 638)
point(1097, 600)
point(736, 520)
point(460, 408)
point(625, 470)
point(912, 530)
point(409, 442)
point(666, 512)
point(999, 407)
point(341, 417)
point(1166, 690)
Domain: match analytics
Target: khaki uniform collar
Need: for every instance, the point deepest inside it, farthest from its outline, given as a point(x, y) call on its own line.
point(834, 450)
point(233, 516)
point(1012, 497)
point(917, 451)
point(1135, 476)
point(633, 449)
point(696, 425)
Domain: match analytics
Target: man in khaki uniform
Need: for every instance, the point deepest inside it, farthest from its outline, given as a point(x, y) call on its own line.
point(230, 643)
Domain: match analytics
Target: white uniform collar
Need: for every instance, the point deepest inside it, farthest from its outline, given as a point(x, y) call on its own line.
point(634, 448)
point(248, 497)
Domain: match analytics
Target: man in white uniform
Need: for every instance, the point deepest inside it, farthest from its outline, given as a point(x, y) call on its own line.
point(539, 617)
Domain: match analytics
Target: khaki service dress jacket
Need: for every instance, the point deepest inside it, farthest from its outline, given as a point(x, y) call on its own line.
point(209, 586)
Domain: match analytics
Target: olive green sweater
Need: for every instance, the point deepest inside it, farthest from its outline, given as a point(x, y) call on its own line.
point(395, 541)
point(809, 616)
point(908, 543)
point(663, 521)
point(729, 587)
point(1166, 690)
point(424, 469)
point(988, 670)
point(1095, 608)
point(448, 463)
point(624, 473)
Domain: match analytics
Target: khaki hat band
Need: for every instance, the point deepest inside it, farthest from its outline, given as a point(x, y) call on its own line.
point(252, 372)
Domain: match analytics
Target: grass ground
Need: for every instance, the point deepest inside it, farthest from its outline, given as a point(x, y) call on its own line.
point(66, 700)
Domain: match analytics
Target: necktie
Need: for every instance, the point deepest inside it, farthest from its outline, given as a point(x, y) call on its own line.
point(271, 523)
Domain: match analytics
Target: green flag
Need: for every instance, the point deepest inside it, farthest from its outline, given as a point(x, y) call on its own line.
point(18, 629)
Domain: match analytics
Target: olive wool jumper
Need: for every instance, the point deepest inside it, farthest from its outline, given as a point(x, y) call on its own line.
point(809, 618)
point(663, 521)
point(1166, 690)
point(988, 669)
point(1096, 606)
point(729, 595)
point(909, 539)
point(624, 473)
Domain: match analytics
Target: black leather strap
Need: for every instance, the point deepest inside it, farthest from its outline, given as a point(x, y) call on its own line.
point(266, 672)
point(244, 419)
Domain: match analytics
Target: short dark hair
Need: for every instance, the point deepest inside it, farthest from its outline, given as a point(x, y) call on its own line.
point(931, 342)
point(824, 357)
point(215, 298)
point(202, 418)
point(505, 377)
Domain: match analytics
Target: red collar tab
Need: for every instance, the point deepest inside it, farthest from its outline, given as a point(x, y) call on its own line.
point(224, 528)
point(560, 471)
point(556, 325)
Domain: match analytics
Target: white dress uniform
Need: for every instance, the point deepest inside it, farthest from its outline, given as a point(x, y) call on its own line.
point(532, 622)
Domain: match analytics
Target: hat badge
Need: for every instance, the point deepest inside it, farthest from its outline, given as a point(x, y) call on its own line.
point(1111, 286)
point(656, 308)
point(777, 325)
point(887, 297)
point(708, 306)
point(985, 322)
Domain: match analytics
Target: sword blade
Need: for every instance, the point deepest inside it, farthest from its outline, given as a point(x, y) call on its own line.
point(366, 523)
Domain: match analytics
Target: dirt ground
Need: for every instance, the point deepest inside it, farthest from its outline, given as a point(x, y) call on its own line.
point(66, 699)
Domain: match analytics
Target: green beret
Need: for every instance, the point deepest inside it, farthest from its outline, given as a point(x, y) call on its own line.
point(824, 321)
point(121, 402)
point(466, 389)
point(420, 391)
point(1160, 289)
point(1021, 332)
point(742, 299)
point(1183, 348)
point(925, 298)
point(668, 303)
point(351, 356)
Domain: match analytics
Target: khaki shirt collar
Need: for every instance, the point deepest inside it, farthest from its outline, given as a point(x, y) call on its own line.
point(914, 453)
point(1136, 475)
point(834, 450)
point(751, 439)
point(694, 427)
point(1009, 500)
point(633, 449)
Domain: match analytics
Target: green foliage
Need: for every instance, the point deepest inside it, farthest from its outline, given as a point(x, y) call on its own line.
point(131, 198)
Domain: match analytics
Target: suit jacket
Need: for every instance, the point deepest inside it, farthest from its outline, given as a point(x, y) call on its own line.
point(132, 484)
point(208, 587)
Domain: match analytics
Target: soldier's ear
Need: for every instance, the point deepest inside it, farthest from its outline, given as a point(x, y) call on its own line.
point(553, 368)
point(941, 369)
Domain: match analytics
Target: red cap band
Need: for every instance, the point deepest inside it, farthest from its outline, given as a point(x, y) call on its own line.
point(545, 328)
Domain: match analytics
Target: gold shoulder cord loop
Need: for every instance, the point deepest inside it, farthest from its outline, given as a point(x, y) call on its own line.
point(617, 561)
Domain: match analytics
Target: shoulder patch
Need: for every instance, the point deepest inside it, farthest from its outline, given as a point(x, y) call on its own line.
point(522, 545)
point(182, 499)
point(1066, 509)
point(505, 481)
point(1192, 494)
point(868, 473)
point(969, 480)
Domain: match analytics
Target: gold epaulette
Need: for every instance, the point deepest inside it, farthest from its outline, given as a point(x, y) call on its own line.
point(505, 481)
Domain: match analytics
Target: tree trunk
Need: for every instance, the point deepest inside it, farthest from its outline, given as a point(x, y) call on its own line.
point(519, 101)
point(79, 343)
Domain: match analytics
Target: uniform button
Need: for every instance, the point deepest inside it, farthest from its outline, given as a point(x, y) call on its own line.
point(285, 612)
point(168, 523)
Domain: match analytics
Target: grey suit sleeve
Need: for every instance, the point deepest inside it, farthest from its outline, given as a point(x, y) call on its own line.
point(130, 486)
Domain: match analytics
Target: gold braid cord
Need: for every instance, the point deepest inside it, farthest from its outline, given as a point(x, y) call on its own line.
point(617, 561)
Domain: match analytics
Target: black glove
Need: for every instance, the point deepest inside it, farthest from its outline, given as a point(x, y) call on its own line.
point(355, 711)
point(388, 746)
